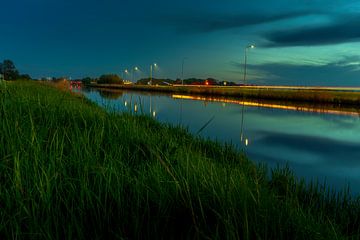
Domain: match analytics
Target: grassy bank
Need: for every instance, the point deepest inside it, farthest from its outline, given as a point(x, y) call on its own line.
point(70, 170)
point(294, 95)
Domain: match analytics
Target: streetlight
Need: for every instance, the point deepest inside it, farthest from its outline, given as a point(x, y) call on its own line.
point(154, 65)
point(132, 73)
point(245, 56)
point(243, 104)
point(126, 73)
point(182, 71)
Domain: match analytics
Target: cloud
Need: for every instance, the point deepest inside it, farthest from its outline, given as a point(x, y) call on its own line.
point(206, 22)
point(342, 29)
point(344, 72)
point(255, 74)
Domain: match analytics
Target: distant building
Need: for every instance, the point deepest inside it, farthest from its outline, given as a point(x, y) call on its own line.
point(210, 81)
point(127, 82)
point(227, 83)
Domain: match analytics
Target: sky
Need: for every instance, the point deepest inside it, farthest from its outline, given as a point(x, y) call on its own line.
point(298, 42)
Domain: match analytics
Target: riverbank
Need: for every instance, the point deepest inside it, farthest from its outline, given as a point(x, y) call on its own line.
point(321, 108)
point(309, 95)
point(69, 169)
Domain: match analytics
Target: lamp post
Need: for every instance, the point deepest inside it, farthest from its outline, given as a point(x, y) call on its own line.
point(182, 71)
point(245, 60)
point(154, 65)
point(126, 73)
point(132, 73)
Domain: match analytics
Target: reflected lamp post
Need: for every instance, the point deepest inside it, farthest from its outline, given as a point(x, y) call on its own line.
point(246, 140)
point(243, 140)
point(245, 60)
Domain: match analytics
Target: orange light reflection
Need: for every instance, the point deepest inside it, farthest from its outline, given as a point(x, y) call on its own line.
point(268, 105)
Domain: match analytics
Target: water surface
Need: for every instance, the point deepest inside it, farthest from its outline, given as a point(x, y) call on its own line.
point(316, 143)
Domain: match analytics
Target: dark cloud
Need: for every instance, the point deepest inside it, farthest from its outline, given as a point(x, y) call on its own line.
point(206, 22)
point(344, 72)
point(342, 29)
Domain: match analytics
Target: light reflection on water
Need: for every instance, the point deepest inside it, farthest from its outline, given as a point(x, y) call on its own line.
point(321, 143)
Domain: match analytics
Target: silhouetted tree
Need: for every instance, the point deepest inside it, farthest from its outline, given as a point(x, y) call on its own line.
point(110, 79)
point(8, 70)
point(25, 77)
point(86, 80)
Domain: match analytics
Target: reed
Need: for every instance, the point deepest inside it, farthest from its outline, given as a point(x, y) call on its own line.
point(69, 169)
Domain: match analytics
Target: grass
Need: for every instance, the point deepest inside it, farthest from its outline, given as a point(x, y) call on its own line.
point(69, 169)
point(319, 96)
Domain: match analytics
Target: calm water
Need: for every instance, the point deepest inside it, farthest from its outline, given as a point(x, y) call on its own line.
point(316, 145)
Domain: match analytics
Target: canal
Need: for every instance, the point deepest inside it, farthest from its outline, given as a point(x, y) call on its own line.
point(317, 143)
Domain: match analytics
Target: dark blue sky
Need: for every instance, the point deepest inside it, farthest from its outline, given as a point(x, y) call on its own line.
point(311, 42)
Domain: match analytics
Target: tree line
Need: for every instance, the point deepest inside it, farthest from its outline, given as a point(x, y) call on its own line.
point(8, 71)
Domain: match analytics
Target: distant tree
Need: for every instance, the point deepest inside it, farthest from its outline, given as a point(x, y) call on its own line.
point(25, 77)
point(110, 79)
point(9, 71)
point(86, 80)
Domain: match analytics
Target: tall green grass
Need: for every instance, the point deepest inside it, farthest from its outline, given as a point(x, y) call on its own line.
point(68, 169)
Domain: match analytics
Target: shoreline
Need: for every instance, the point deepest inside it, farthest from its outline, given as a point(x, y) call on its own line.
point(341, 97)
point(305, 106)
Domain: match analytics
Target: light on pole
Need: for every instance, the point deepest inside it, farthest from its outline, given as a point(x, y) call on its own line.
point(152, 67)
point(126, 73)
point(245, 60)
point(182, 71)
point(132, 73)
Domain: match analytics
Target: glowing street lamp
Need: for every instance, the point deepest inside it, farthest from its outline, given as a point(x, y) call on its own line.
point(152, 67)
point(182, 70)
point(126, 72)
point(245, 60)
point(132, 73)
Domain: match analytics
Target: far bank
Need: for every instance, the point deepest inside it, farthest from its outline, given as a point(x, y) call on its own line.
point(338, 96)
